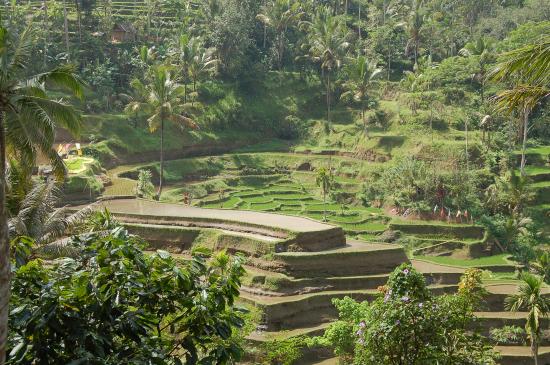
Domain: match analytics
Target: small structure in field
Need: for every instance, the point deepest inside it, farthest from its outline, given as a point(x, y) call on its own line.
point(123, 32)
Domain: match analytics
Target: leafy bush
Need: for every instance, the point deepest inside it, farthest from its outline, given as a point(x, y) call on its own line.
point(508, 335)
point(408, 325)
point(114, 304)
point(144, 186)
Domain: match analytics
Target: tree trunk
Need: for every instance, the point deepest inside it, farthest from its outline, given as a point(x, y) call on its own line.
point(79, 21)
point(389, 63)
point(467, 158)
point(265, 35)
point(280, 51)
point(45, 25)
point(324, 205)
point(66, 27)
point(328, 96)
point(524, 144)
point(359, 23)
point(4, 248)
point(534, 348)
point(161, 174)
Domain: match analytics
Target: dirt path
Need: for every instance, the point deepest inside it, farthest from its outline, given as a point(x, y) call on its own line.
point(151, 208)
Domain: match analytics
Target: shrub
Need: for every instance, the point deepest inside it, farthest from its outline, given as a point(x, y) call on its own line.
point(508, 335)
point(408, 325)
point(114, 304)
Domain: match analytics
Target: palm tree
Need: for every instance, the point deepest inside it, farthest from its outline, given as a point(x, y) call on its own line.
point(362, 73)
point(327, 45)
point(163, 103)
point(203, 62)
point(482, 49)
point(279, 15)
point(528, 69)
point(541, 266)
point(414, 28)
point(325, 181)
point(40, 219)
point(531, 298)
point(28, 118)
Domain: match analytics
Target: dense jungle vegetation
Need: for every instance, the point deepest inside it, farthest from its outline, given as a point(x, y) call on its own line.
point(373, 115)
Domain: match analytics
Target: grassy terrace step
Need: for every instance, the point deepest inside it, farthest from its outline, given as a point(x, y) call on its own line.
point(291, 312)
point(499, 292)
point(500, 319)
point(355, 257)
point(521, 355)
point(435, 229)
point(262, 336)
point(510, 355)
point(303, 233)
point(499, 263)
point(263, 282)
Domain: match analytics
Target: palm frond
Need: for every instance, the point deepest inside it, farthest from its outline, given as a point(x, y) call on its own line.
point(64, 76)
point(22, 52)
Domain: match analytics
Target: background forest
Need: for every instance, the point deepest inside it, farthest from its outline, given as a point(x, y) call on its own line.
point(377, 115)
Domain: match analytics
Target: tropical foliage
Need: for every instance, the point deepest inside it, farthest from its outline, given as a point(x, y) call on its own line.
point(114, 304)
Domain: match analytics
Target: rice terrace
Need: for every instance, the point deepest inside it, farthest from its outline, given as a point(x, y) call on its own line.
point(308, 182)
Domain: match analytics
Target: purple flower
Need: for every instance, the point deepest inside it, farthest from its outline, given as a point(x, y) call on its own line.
point(359, 333)
point(362, 324)
point(398, 322)
point(406, 271)
point(420, 305)
point(405, 298)
point(361, 341)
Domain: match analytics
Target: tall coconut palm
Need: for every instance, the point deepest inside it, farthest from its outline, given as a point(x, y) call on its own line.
point(361, 73)
point(279, 15)
point(327, 45)
point(163, 104)
point(28, 118)
point(531, 298)
point(528, 70)
point(414, 29)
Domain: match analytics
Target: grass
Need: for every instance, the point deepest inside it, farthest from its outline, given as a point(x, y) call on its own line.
point(536, 170)
point(495, 260)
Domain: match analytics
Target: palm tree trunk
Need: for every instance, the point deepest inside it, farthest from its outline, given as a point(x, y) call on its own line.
point(359, 23)
point(66, 27)
point(45, 25)
point(534, 348)
point(161, 172)
point(328, 96)
point(467, 157)
point(280, 52)
point(4, 248)
point(79, 21)
point(389, 63)
point(324, 205)
point(524, 144)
